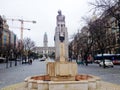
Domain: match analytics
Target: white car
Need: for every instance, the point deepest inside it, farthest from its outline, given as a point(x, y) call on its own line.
point(43, 59)
point(108, 63)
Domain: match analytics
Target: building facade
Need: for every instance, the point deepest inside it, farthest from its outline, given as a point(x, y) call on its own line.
point(7, 38)
point(109, 35)
point(45, 49)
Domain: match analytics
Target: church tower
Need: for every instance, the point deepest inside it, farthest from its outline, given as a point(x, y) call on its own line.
point(45, 41)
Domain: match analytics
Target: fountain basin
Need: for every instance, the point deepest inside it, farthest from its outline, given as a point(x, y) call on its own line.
point(82, 82)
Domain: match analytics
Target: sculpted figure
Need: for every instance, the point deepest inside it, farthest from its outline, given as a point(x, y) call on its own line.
point(60, 17)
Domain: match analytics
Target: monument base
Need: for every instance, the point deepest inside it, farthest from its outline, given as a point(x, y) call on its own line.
point(63, 78)
point(62, 71)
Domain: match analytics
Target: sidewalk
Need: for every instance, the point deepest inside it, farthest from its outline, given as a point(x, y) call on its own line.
point(10, 64)
point(109, 86)
point(104, 86)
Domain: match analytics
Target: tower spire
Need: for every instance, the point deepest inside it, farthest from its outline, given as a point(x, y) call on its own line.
point(45, 41)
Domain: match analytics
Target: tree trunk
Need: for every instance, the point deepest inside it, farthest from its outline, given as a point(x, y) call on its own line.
point(103, 58)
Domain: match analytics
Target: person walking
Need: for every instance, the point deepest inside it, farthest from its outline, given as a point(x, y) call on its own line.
point(30, 62)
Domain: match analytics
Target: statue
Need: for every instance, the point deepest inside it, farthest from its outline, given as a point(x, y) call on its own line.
point(60, 17)
point(61, 38)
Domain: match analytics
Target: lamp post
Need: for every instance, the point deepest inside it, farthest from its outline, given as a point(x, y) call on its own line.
point(11, 57)
point(21, 43)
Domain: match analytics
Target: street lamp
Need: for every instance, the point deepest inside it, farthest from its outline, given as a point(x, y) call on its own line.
point(34, 21)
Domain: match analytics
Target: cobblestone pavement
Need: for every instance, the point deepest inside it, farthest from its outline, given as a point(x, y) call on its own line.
point(17, 74)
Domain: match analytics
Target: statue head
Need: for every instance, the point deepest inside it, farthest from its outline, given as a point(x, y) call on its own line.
point(59, 12)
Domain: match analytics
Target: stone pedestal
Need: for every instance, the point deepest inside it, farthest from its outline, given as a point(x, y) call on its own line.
point(68, 85)
point(62, 70)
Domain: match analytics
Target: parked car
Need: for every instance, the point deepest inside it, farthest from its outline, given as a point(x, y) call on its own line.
point(43, 59)
point(108, 63)
point(116, 62)
point(97, 61)
point(2, 59)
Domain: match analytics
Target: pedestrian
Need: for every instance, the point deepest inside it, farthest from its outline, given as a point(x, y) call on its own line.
point(30, 61)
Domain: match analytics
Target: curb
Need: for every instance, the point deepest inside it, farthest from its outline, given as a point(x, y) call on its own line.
point(104, 86)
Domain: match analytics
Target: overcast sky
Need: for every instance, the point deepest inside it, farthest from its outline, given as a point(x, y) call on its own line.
point(44, 12)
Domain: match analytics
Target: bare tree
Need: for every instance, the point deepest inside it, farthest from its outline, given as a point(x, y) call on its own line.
point(99, 34)
point(109, 8)
point(85, 42)
point(28, 45)
point(101, 6)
